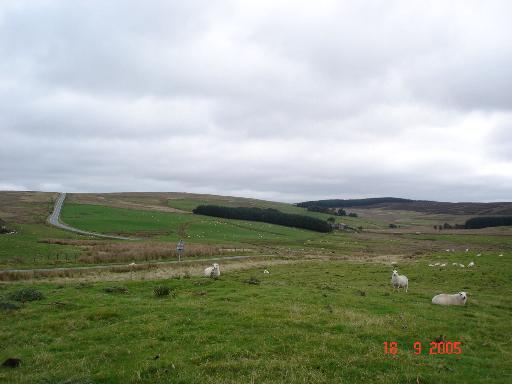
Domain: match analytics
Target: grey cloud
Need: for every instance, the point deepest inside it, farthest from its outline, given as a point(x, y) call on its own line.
point(289, 101)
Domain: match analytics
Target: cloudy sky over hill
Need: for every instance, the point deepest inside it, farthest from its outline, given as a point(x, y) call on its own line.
point(281, 100)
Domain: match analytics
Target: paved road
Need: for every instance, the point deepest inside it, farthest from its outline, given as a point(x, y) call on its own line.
point(109, 266)
point(54, 220)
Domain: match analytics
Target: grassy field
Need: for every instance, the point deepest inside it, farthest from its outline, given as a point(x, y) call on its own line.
point(315, 322)
point(26, 248)
point(38, 245)
point(320, 316)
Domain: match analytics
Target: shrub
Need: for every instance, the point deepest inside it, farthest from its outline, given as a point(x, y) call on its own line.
point(161, 290)
point(26, 294)
point(115, 289)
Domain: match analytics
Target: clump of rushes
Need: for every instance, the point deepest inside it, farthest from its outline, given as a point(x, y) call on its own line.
point(161, 291)
point(115, 289)
point(26, 294)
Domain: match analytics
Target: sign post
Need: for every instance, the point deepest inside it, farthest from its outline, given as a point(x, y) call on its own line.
point(180, 247)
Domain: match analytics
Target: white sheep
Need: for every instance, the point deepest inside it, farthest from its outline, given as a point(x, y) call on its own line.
point(436, 264)
point(446, 299)
point(431, 265)
point(443, 265)
point(500, 255)
point(462, 266)
point(455, 264)
point(266, 272)
point(479, 255)
point(213, 271)
point(399, 281)
point(471, 265)
point(467, 249)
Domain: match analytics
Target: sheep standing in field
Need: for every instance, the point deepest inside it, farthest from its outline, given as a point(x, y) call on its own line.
point(213, 271)
point(471, 265)
point(399, 281)
point(446, 299)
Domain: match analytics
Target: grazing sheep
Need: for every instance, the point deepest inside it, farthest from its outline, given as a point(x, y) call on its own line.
point(436, 264)
point(443, 265)
point(431, 265)
point(462, 266)
point(471, 264)
point(266, 272)
point(399, 281)
point(213, 271)
point(479, 255)
point(467, 249)
point(500, 255)
point(455, 264)
point(446, 299)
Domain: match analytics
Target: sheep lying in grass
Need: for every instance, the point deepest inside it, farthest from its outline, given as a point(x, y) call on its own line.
point(213, 271)
point(399, 281)
point(446, 299)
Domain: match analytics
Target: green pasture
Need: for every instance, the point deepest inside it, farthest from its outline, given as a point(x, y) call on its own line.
point(310, 322)
point(24, 248)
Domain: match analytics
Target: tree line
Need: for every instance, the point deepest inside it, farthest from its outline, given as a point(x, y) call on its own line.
point(267, 215)
point(488, 221)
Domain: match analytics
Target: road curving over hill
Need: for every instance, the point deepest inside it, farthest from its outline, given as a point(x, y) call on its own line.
point(54, 219)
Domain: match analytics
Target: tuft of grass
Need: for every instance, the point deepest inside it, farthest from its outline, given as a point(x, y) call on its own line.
point(161, 291)
point(9, 306)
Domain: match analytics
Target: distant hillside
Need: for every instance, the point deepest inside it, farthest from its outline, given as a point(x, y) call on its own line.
point(341, 203)
point(435, 207)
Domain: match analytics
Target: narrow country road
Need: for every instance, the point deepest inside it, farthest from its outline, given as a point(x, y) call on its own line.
point(54, 220)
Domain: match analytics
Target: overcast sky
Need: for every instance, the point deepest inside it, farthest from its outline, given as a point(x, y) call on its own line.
point(282, 100)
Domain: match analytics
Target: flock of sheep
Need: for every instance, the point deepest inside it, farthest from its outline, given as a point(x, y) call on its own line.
point(401, 281)
point(397, 281)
